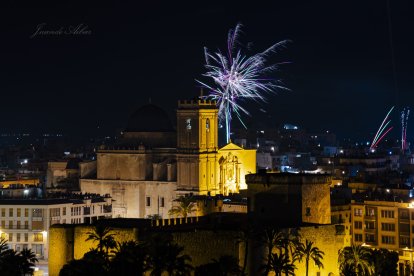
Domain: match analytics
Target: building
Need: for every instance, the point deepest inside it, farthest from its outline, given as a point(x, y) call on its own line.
point(299, 198)
point(64, 173)
point(385, 224)
point(153, 163)
point(25, 223)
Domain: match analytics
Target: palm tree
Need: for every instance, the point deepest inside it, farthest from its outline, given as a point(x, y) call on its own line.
point(280, 263)
point(28, 258)
point(356, 259)
point(186, 206)
point(308, 251)
point(93, 262)
point(104, 236)
point(285, 242)
point(131, 258)
point(271, 238)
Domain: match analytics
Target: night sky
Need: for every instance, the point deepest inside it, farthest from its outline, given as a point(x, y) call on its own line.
point(340, 75)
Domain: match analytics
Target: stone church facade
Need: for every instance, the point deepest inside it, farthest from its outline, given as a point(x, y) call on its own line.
point(154, 163)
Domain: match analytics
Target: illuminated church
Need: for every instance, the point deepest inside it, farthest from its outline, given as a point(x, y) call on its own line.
point(154, 163)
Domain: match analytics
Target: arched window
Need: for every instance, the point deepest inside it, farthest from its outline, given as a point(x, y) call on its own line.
point(188, 124)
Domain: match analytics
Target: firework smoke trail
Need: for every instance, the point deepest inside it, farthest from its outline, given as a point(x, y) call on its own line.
point(378, 137)
point(238, 77)
point(404, 124)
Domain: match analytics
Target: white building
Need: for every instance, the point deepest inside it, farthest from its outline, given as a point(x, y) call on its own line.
point(25, 223)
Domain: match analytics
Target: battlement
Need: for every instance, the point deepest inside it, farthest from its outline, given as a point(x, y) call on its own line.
point(174, 222)
point(197, 104)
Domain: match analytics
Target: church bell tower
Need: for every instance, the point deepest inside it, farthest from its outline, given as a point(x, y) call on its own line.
point(197, 146)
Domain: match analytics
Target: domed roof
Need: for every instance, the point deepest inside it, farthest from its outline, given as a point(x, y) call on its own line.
point(149, 118)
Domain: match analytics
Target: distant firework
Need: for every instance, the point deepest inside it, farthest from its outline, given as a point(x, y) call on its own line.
point(238, 77)
point(404, 124)
point(380, 133)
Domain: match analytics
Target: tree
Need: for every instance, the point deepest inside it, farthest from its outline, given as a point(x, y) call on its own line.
point(166, 256)
point(385, 262)
point(308, 251)
point(104, 236)
point(355, 260)
point(29, 260)
point(131, 258)
point(280, 263)
point(185, 207)
point(16, 263)
point(93, 262)
point(285, 242)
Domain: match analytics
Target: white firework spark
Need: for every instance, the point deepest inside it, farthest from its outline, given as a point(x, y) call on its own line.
point(238, 77)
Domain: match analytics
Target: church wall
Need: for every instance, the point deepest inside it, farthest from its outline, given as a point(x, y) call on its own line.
point(229, 173)
point(87, 169)
point(122, 166)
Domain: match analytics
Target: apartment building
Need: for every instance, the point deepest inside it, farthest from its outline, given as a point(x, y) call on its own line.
point(385, 224)
point(25, 223)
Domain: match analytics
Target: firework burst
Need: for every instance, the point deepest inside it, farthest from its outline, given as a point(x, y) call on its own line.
point(238, 77)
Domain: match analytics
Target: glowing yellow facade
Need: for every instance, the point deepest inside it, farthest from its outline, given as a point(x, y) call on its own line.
point(233, 164)
point(203, 168)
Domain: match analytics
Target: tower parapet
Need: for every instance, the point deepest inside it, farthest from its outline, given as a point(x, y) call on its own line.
point(197, 104)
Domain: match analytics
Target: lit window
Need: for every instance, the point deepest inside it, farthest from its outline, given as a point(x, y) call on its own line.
point(38, 237)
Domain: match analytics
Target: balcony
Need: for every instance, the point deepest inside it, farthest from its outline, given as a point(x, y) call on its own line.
point(405, 219)
point(370, 217)
point(16, 227)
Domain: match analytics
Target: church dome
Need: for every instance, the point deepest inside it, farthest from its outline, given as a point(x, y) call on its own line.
point(149, 118)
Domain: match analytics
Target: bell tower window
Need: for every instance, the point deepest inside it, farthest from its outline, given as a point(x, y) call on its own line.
point(188, 124)
point(208, 125)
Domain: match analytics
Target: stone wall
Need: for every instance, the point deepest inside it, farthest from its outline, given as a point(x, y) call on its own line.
point(316, 203)
point(61, 241)
point(327, 240)
point(68, 243)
